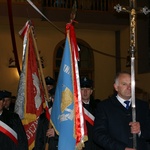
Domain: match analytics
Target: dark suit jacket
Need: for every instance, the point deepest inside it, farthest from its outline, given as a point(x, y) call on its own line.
point(41, 138)
point(14, 122)
point(90, 145)
point(111, 126)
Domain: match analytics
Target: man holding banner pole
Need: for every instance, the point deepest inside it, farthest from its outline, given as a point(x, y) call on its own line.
point(114, 127)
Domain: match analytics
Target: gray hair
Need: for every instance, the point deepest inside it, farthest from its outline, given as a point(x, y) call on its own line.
point(118, 74)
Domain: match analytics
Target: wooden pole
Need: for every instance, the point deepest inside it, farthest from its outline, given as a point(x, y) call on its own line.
point(42, 76)
point(39, 64)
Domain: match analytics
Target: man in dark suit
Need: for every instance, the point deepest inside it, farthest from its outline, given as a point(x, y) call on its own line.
point(113, 126)
point(50, 82)
point(12, 133)
point(89, 105)
point(45, 135)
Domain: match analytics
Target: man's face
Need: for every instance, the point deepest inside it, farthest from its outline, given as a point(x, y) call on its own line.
point(49, 87)
point(86, 93)
point(123, 86)
point(7, 102)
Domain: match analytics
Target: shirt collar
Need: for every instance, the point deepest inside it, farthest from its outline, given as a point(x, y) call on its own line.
point(88, 102)
point(121, 100)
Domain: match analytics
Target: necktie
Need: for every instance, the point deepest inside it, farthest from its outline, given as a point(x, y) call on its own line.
point(127, 104)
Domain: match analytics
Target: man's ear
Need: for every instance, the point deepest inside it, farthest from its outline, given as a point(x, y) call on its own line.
point(115, 87)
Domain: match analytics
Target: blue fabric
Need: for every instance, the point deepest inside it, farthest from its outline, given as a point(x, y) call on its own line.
point(62, 115)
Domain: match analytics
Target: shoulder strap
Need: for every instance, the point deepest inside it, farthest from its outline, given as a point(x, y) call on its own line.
point(4, 128)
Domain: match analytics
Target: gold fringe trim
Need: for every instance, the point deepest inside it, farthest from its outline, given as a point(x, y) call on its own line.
point(81, 145)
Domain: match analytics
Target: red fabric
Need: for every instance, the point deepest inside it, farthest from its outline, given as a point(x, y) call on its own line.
point(30, 129)
point(75, 54)
point(25, 28)
point(32, 92)
point(6, 132)
point(88, 119)
point(48, 115)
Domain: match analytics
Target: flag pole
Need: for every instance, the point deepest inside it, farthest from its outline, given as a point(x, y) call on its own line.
point(39, 64)
point(132, 51)
point(42, 77)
